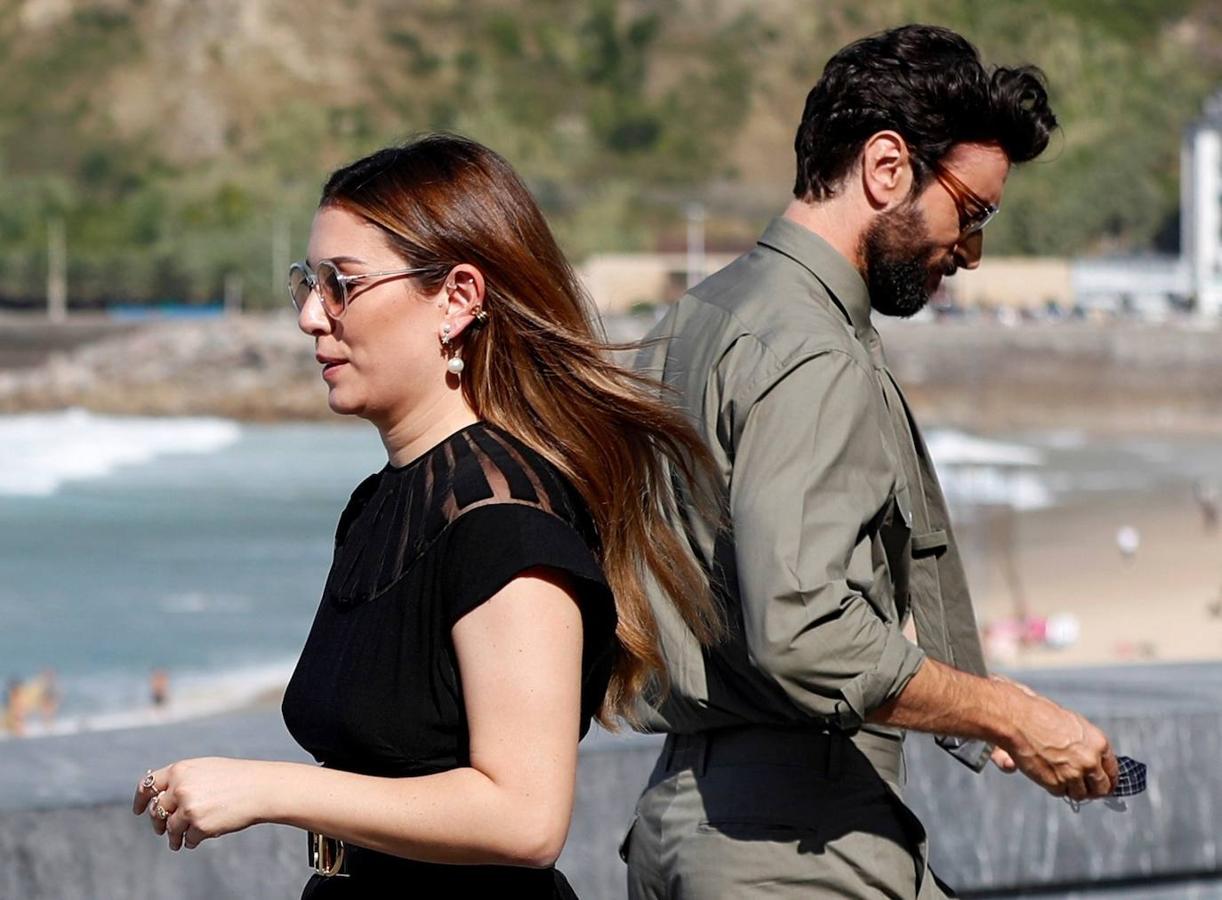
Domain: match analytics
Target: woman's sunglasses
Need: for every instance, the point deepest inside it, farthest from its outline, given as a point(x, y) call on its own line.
point(331, 285)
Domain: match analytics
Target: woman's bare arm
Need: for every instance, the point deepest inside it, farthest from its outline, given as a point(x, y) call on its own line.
point(519, 657)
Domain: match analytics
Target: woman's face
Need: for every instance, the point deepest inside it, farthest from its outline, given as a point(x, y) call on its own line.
point(383, 359)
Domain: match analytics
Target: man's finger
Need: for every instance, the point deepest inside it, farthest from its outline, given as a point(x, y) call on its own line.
point(1076, 789)
point(1099, 783)
point(1004, 761)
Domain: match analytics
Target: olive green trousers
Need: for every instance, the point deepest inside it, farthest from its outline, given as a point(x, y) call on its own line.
point(762, 812)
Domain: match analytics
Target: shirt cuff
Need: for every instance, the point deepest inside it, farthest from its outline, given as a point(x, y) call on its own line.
point(898, 662)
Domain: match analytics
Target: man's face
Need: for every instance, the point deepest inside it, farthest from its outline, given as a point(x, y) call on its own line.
point(907, 250)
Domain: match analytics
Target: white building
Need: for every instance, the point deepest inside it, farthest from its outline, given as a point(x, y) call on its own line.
point(1201, 207)
point(1151, 285)
point(1144, 286)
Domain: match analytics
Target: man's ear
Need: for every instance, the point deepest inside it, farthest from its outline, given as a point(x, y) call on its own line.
point(886, 169)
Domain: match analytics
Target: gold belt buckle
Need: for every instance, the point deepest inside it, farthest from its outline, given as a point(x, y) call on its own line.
point(328, 856)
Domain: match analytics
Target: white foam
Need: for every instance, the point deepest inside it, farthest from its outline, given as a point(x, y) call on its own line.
point(41, 451)
point(1019, 489)
point(980, 472)
point(956, 448)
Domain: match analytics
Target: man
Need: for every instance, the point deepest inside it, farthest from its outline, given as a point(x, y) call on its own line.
point(782, 770)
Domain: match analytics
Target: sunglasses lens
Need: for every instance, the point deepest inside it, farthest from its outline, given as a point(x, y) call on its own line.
point(979, 220)
point(299, 286)
point(331, 289)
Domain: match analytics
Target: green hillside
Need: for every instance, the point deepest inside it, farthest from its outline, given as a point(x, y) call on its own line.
point(184, 141)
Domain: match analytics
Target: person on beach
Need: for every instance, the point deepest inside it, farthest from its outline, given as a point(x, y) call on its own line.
point(159, 687)
point(16, 705)
point(782, 771)
point(487, 595)
point(42, 695)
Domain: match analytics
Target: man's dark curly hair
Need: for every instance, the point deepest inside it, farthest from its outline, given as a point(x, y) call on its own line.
point(928, 84)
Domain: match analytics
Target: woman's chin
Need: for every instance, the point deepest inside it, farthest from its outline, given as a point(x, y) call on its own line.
point(341, 405)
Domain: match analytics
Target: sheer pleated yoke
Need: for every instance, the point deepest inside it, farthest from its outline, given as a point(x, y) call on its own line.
point(397, 514)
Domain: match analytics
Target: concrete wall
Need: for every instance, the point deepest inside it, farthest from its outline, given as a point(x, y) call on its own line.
point(66, 831)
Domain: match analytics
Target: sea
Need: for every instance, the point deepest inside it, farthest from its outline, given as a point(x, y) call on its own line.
point(199, 546)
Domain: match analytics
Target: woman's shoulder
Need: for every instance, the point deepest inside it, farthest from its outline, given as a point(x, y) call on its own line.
point(398, 515)
point(490, 466)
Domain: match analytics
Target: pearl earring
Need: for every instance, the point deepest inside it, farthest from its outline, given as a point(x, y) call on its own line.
point(454, 365)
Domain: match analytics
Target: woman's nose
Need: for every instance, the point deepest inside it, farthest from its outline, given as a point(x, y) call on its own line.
point(312, 318)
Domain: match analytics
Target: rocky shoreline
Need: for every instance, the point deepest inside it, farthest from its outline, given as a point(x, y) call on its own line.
point(253, 368)
point(1109, 378)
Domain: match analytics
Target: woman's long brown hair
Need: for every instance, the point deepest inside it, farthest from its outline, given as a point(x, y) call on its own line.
point(540, 370)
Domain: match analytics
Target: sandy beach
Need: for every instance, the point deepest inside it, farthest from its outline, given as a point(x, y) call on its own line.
point(1161, 605)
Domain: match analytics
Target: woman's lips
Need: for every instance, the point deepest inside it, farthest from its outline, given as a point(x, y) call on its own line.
point(330, 367)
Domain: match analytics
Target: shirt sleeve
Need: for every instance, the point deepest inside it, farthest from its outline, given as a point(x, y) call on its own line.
point(811, 477)
point(486, 548)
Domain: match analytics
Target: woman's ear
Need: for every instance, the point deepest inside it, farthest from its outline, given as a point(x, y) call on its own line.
point(462, 298)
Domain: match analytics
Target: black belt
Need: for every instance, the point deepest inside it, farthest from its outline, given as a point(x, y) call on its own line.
point(375, 872)
point(830, 753)
point(328, 856)
point(332, 857)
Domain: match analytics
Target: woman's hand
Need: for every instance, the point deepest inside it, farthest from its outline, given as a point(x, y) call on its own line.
point(196, 799)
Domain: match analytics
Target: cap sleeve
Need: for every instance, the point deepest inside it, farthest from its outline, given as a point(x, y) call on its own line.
point(487, 547)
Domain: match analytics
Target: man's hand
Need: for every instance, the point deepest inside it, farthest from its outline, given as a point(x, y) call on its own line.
point(1053, 746)
point(1056, 748)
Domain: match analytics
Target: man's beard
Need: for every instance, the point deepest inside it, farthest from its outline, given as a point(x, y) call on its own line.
point(899, 262)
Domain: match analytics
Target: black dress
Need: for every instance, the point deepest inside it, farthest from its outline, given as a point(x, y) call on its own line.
point(377, 690)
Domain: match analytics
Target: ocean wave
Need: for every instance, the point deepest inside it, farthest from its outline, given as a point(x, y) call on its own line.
point(193, 694)
point(41, 451)
point(955, 448)
point(1019, 489)
point(979, 472)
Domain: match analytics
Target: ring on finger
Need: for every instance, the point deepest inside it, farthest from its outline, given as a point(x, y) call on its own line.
point(158, 810)
point(148, 783)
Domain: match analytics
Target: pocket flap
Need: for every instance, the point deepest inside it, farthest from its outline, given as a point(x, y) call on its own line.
point(931, 543)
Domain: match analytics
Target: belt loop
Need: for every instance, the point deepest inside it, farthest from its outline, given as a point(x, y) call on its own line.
point(835, 750)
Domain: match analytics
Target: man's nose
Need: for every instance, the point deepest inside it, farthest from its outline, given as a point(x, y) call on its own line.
point(969, 250)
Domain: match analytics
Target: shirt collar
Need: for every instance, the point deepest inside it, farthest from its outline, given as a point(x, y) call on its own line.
point(822, 260)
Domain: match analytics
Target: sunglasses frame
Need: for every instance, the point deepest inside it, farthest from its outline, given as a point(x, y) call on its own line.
point(312, 280)
point(963, 196)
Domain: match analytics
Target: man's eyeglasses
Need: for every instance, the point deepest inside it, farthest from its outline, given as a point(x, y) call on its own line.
point(974, 211)
point(331, 285)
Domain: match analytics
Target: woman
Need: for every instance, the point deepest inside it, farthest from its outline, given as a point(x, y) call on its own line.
point(487, 595)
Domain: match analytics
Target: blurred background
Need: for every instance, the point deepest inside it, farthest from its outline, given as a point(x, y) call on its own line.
point(170, 475)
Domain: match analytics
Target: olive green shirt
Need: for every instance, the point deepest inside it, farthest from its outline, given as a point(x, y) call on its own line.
point(836, 529)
